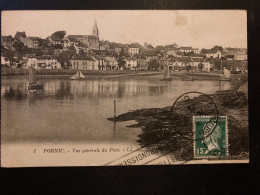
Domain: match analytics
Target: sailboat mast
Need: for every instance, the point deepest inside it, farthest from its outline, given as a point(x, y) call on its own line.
point(32, 75)
point(221, 71)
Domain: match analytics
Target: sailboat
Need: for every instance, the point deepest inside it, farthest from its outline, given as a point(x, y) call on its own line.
point(33, 85)
point(226, 75)
point(167, 75)
point(78, 76)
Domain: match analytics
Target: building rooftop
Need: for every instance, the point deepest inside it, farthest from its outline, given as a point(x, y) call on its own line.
point(34, 38)
point(183, 59)
point(186, 48)
point(109, 59)
point(18, 35)
point(81, 57)
point(91, 37)
point(7, 38)
point(76, 36)
point(149, 53)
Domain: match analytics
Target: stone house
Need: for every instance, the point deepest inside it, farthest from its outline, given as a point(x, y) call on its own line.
point(185, 49)
point(81, 62)
point(110, 63)
point(133, 50)
point(42, 62)
point(30, 42)
point(7, 41)
point(19, 35)
point(213, 54)
point(131, 64)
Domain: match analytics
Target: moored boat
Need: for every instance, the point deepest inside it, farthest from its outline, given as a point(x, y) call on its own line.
point(188, 79)
point(226, 75)
point(167, 75)
point(78, 76)
point(166, 79)
point(33, 85)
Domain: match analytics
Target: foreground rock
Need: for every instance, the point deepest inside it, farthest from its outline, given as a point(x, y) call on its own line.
point(157, 123)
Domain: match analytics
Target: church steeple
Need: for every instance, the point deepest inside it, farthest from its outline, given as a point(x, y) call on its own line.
point(95, 29)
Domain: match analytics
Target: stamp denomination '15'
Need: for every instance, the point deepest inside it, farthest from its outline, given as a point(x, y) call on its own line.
point(211, 138)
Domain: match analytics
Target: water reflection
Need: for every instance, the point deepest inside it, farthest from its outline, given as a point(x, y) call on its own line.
point(35, 96)
point(224, 85)
point(92, 89)
point(78, 110)
point(14, 92)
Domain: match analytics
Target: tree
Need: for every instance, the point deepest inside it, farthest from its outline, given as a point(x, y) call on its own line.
point(59, 34)
point(188, 67)
point(149, 46)
point(18, 45)
point(57, 47)
point(38, 52)
point(65, 56)
point(153, 65)
point(172, 46)
point(7, 53)
point(217, 48)
point(121, 62)
point(217, 64)
point(159, 47)
point(42, 42)
point(204, 50)
point(200, 66)
point(121, 59)
point(136, 45)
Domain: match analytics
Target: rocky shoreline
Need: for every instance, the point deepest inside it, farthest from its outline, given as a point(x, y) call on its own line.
point(157, 131)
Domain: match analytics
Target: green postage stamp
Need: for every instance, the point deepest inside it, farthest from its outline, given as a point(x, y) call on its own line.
point(211, 137)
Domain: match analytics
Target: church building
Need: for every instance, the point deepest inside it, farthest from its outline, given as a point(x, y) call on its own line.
point(90, 41)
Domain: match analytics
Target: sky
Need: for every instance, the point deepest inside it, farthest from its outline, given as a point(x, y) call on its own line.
point(196, 28)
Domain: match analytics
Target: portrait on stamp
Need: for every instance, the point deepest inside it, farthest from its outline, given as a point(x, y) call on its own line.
point(211, 138)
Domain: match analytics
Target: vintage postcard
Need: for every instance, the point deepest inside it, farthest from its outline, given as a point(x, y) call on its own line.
point(124, 87)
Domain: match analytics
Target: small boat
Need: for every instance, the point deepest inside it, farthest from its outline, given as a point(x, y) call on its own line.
point(167, 75)
point(188, 79)
point(166, 79)
point(226, 75)
point(78, 76)
point(33, 85)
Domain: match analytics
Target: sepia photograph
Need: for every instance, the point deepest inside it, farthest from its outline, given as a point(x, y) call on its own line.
point(124, 87)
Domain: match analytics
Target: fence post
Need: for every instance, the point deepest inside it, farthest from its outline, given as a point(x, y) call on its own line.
point(114, 109)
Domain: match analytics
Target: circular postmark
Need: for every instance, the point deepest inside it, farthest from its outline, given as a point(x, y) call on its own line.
point(186, 107)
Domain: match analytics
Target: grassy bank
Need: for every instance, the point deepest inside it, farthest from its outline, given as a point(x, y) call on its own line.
point(157, 129)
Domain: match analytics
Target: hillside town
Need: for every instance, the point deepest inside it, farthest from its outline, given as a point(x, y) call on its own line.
point(89, 52)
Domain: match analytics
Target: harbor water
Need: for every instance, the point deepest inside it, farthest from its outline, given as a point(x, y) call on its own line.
point(74, 113)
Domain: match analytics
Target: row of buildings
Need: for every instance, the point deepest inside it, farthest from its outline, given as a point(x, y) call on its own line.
point(91, 53)
point(97, 62)
point(93, 42)
point(94, 61)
